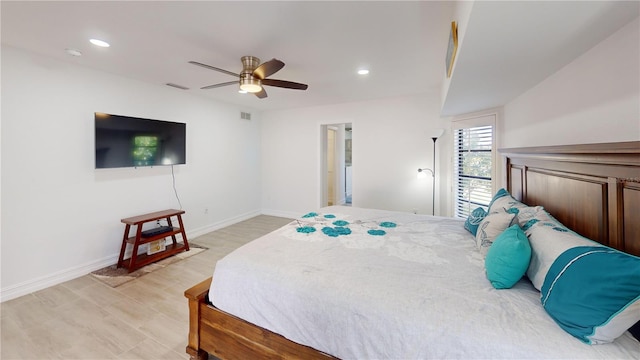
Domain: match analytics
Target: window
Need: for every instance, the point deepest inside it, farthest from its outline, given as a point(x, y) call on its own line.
point(473, 168)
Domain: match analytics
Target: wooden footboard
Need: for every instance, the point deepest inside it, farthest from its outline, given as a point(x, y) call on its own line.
point(197, 296)
point(212, 331)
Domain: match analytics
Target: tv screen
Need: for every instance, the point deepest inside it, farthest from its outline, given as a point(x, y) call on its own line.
point(124, 141)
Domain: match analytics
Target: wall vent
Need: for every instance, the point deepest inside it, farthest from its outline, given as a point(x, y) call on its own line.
point(177, 86)
point(245, 115)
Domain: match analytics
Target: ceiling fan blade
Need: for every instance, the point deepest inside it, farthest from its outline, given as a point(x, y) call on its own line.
point(214, 68)
point(220, 85)
point(261, 94)
point(285, 84)
point(268, 68)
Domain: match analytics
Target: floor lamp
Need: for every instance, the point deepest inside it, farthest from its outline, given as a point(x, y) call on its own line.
point(421, 171)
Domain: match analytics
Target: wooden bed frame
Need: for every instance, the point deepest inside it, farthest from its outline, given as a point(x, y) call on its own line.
point(593, 189)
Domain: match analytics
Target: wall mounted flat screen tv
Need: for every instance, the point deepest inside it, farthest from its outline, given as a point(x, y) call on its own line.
point(124, 141)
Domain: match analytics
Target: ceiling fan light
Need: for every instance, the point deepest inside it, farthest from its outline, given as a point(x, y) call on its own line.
point(252, 88)
point(250, 85)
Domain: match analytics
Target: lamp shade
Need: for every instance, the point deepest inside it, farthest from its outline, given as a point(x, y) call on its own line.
point(435, 133)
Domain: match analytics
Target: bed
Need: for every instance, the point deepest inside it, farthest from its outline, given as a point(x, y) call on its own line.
point(366, 283)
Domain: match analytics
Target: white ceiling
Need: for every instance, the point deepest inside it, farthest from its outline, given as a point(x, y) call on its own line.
point(322, 44)
point(511, 46)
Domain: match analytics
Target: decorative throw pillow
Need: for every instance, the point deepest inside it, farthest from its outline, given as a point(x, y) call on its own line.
point(500, 193)
point(508, 258)
point(548, 239)
point(474, 220)
point(532, 212)
point(503, 199)
point(593, 293)
point(491, 226)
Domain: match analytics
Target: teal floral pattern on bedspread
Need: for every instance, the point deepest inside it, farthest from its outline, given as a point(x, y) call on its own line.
point(336, 231)
point(317, 221)
point(407, 236)
point(305, 229)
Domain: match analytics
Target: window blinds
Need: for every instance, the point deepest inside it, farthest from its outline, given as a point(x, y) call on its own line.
point(473, 166)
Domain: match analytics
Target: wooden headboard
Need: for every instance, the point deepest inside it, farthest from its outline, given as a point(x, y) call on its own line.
point(593, 189)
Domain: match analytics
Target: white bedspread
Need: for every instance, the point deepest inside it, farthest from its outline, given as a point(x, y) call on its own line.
point(418, 291)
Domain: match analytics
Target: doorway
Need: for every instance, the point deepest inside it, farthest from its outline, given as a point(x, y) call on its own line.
point(331, 166)
point(336, 163)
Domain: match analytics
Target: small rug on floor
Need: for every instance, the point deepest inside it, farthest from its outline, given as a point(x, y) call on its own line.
point(114, 277)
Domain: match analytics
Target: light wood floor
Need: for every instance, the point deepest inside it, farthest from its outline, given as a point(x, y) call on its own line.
point(146, 318)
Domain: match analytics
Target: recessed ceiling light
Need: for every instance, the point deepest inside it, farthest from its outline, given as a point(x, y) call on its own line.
point(363, 72)
point(73, 52)
point(100, 43)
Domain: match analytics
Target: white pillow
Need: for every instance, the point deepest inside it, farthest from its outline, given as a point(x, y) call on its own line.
point(530, 216)
point(497, 221)
point(548, 241)
point(506, 201)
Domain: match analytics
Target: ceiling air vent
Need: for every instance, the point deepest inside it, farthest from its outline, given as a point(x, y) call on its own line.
point(245, 115)
point(177, 86)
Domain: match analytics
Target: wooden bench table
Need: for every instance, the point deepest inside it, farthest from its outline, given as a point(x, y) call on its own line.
point(136, 260)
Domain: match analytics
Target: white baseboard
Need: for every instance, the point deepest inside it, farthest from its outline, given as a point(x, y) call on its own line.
point(284, 214)
point(29, 286)
point(43, 282)
point(194, 233)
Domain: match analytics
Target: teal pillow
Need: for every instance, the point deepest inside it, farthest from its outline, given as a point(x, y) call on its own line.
point(474, 220)
point(593, 292)
point(508, 258)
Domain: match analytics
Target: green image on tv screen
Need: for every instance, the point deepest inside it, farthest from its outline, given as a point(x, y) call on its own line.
point(145, 149)
point(145, 140)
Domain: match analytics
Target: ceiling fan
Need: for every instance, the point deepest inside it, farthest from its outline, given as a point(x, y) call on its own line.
point(254, 76)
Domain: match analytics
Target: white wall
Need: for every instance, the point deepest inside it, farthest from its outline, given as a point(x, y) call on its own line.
point(390, 142)
point(594, 99)
point(60, 216)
